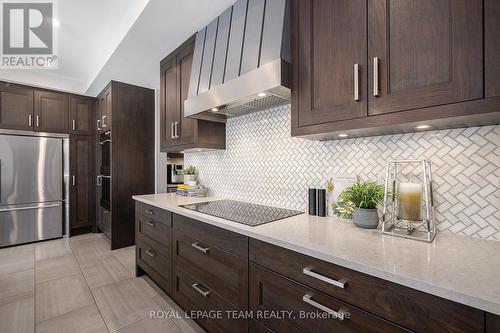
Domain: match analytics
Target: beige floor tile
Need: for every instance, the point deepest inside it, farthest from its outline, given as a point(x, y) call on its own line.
point(16, 259)
point(86, 319)
point(51, 249)
point(152, 326)
point(54, 268)
point(126, 257)
point(186, 325)
point(59, 296)
point(18, 316)
point(123, 303)
point(106, 271)
point(91, 252)
point(16, 286)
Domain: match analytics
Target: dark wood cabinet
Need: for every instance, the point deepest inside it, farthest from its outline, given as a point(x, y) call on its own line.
point(51, 112)
point(492, 323)
point(81, 182)
point(428, 52)
point(16, 107)
point(81, 115)
point(125, 157)
point(176, 131)
point(330, 61)
point(492, 47)
point(420, 62)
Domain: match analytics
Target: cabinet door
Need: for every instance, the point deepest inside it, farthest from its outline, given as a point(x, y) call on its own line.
point(81, 210)
point(51, 112)
point(186, 128)
point(106, 111)
point(424, 53)
point(492, 47)
point(169, 111)
point(81, 115)
point(330, 42)
point(16, 107)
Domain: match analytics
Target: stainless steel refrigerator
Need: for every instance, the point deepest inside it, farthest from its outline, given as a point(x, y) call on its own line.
point(33, 196)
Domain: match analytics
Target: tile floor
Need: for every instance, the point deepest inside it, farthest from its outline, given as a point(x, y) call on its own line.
point(80, 285)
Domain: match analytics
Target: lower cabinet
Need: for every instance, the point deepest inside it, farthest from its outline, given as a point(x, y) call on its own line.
point(230, 283)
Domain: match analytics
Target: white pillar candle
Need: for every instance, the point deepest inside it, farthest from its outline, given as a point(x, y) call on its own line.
point(410, 201)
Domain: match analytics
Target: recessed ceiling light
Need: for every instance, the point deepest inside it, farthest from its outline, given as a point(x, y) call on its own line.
point(423, 127)
point(262, 94)
point(214, 109)
point(343, 135)
point(199, 149)
point(56, 23)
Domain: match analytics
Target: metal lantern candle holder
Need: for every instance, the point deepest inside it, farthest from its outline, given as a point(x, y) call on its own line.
point(408, 201)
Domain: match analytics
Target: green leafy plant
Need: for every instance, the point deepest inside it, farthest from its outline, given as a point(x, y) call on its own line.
point(367, 195)
point(190, 170)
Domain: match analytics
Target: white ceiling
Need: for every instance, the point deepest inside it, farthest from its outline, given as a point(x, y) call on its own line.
point(103, 40)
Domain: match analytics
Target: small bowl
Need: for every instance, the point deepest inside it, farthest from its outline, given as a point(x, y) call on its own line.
point(201, 192)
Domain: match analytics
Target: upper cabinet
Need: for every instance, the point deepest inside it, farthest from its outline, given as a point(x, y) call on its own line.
point(492, 47)
point(177, 132)
point(371, 67)
point(104, 103)
point(330, 57)
point(81, 115)
point(51, 112)
point(424, 53)
point(16, 107)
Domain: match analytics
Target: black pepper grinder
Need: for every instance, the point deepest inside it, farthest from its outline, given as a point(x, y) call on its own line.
point(312, 201)
point(322, 203)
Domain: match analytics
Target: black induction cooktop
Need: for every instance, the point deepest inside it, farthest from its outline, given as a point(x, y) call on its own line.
point(242, 212)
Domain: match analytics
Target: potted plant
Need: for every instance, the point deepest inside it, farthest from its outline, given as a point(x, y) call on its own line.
point(189, 175)
point(360, 202)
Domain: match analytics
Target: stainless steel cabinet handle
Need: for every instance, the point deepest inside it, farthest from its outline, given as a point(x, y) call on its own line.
point(73, 180)
point(151, 253)
point(199, 248)
point(151, 224)
point(376, 63)
point(98, 124)
point(73, 124)
point(104, 125)
point(340, 283)
point(172, 135)
point(37, 120)
point(176, 127)
point(149, 211)
point(99, 180)
point(29, 120)
point(356, 82)
point(337, 314)
point(29, 208)
point(204, 293)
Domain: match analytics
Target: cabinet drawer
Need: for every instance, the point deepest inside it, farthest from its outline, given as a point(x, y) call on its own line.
point(200, 302)
point(218, 237)
point(306, 309)
point(223, 272)
point(155, 213)
point(396, 303)
point(146, 227)
point(156, 261)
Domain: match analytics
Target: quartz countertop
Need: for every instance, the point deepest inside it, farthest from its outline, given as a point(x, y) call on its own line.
point(462, 269)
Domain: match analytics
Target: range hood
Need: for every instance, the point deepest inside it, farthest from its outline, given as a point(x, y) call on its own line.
point(241, 62)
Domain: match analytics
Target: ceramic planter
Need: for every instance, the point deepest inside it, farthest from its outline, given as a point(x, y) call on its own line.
point(365, 218)
point(190, 179)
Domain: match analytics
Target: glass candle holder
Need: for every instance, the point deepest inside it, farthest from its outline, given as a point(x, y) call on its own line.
point(410, 201)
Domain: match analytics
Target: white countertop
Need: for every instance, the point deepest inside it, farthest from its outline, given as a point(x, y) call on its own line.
point(461, 269)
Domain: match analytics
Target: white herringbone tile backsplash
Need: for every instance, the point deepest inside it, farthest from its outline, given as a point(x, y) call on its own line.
point(263, 163)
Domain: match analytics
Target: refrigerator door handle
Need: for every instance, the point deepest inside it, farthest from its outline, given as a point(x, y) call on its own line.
point(29, 207)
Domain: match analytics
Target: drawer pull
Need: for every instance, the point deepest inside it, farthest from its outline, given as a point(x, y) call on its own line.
point(204, 293)
point(151, 253)
point(149, 211)
point(339, 283)
point(199, 248)
point(151, 224)
point(337, 314)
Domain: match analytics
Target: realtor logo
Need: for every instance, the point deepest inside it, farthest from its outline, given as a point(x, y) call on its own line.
point(28, 34)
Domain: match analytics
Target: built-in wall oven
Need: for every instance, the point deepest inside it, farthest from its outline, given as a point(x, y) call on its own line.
point(104, 183)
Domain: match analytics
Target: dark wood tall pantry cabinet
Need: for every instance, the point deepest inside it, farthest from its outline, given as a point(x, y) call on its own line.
point(177, 132)
point(370, 67)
